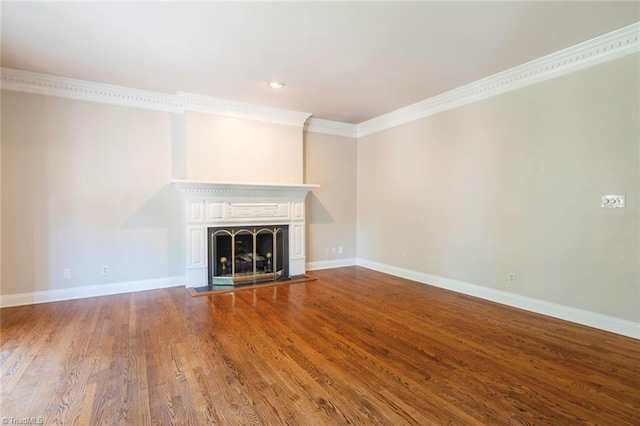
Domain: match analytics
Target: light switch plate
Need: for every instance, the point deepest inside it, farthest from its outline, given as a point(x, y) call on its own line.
point(612, 201)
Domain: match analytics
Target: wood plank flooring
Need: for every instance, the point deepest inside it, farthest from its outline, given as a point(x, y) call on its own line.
point(354, 347)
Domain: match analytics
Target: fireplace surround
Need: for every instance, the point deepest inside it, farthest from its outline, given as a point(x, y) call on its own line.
point(249, 206)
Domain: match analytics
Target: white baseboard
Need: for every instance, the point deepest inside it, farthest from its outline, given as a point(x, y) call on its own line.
point(567, 313)
point(328, 264)
point(591, 319)
point(9, 300)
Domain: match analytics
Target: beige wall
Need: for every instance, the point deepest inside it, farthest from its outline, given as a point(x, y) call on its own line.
point(509, 184)
point(230, 149)
point(85, 185)
point(513, 184)
point(331, 209)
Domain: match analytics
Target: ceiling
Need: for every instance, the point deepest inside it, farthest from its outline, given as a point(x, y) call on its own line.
point(342, 61)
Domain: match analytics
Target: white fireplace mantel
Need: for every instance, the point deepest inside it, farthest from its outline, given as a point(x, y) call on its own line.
point(254, 191)
point(213, 204)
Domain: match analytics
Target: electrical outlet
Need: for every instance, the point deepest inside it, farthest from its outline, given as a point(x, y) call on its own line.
point(66, 273)
point(326, 251)
point(511, 277)
point(333, 250)
point(340, 250)
point(105, 270)
point(612, 201)
point(405, 257)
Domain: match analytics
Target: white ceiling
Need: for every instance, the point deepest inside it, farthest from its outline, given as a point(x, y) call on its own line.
point(342, 61)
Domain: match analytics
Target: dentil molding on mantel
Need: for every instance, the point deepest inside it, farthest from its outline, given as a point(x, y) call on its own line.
point(243, 189)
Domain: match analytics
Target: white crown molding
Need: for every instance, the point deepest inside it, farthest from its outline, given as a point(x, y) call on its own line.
point(206, 104)
point(607, 47)
point(43, 84)
point(604, 48)
point(328, 127)
point(567, 313)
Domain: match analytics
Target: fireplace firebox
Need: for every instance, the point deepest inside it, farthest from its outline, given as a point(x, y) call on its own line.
point(247, 254)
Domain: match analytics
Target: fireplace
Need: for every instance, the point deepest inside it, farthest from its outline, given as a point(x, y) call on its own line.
point(247, 211)
point(247, 254)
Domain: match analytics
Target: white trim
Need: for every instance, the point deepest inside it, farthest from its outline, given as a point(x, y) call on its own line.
point(567, 313)
point(255, 191)
point(330, 264)
point(328, 127)
point(43, 84)
point(46, 296)
point(209, 105)
point(607, 47)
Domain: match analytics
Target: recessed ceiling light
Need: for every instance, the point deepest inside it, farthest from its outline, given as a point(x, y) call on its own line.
point(277, 84)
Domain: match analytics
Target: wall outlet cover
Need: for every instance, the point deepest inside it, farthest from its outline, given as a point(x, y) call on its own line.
point(613, 201)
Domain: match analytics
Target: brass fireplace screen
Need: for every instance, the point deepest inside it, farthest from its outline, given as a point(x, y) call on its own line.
point(247, 255)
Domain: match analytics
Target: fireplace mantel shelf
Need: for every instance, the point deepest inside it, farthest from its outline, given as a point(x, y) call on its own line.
point(242, 188)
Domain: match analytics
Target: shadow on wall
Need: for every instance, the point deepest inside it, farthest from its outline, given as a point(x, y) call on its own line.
point(316, 211)
point(164, 211)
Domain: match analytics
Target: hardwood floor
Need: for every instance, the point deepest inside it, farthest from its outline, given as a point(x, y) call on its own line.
point(353, 347)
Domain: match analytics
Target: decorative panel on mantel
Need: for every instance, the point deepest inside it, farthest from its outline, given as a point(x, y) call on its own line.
point(195, 211)
point(215, 204)
point(259, 211)
point(196, 247)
